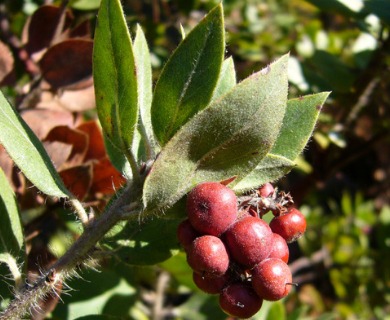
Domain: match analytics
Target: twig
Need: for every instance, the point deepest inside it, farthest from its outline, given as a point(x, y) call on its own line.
point(74, 257)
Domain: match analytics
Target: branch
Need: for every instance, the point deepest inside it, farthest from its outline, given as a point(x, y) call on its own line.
point(31, 294)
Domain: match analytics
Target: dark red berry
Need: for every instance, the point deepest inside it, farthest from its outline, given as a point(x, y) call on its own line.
point(211, 284)
point(279, 248)
point(240, 300)
point(290, 225)
point(266, 190)
point(186, 233)
point(249, 241)
point(207, 255)
point(272, 279)
point(211, 208)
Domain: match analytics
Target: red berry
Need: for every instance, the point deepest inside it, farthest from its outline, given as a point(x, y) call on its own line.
point(290, 225)
point(210, 284)
point(279, 248)
point(211, 208)
point(207, 255)
point(266, 190)
point(272, 279)
point(186, 234)
point(240, 300)
point(249, 241)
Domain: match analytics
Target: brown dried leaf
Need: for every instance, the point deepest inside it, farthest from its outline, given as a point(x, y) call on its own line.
point(78, 100)
point(96, 148)
point(78, 180)
point(42, 26)
point(67, 62)
point(16, 180)
point(59, 152)
point(41, 121)
point(106, 179)
point(6, 61)
point(77, 139)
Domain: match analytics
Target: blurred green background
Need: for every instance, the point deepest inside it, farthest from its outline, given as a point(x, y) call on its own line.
point(341, 183)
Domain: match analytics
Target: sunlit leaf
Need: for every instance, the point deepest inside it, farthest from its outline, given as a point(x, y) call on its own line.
point(28, 153)
point(114, 76)
point(229, 138)
point(187, 81)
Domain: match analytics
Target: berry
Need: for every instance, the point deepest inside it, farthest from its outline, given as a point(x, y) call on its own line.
point(207, 255)
point(249, 241)
point(210, 284)
point(272, 279)
point(266, 190)
point(186, 233)
point(211, 208)
point(290, 225)
point(279, 248)
point(240, 300)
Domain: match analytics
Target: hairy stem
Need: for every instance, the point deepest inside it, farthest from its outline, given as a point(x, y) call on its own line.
point(28, 296)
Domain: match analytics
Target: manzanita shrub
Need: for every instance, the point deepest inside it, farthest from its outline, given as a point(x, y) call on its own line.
point(196, 125)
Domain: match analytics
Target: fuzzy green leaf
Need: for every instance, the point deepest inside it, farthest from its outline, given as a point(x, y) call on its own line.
point(271, 168)
point(144, 80)
point(11, 232)
point(187, 81)
point(145, 243)
point(114, 76)
point(27, 152)
point(227, 79)
point(298, 124)
point(229, 138)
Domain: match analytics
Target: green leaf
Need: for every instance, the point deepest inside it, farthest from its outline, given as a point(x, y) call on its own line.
point(271, 168)
point(27, 152)
point(298, 124)
point(11, 232)
point(144, 80)
point(187, 82)
point(227, 79)
point(145, 243)
point(85, 4)
point(229, 138)
point(114, 75)
point(118, 159)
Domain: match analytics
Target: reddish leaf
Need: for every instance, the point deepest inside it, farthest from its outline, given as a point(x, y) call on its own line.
point(96, 148)
point(67, 62)
point(82, 30)
point(78, 180)
point(77, 139)
point(106, 179)
point(42, 27)
point(6, 61)
point(41, 121)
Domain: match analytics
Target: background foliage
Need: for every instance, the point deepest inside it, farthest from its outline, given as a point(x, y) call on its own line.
point(341, 184)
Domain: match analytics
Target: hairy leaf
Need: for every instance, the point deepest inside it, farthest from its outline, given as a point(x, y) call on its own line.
point(226, 80)
point(187, 81)
point(145, 243)
point(27, 152)
point(11, 232)
point(298, 124)
point(114, 76)
point(271, 168)
point(144, 80)
point(227, 139)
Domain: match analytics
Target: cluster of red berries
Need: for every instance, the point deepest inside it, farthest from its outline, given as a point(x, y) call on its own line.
point(235, 253)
